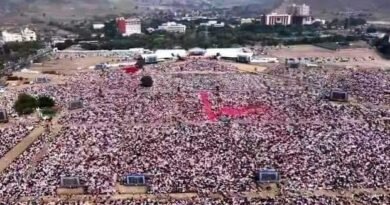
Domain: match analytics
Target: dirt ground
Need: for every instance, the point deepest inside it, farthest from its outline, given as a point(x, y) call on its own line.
point(63, 67)
point(242, 67)
point(70, 65)
point(359, 57)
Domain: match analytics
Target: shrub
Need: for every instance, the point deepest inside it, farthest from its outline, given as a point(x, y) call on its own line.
point(146, 81)
point(45, 101)
point(25, 104)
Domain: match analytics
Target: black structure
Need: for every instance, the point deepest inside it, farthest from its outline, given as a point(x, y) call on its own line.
point(3, 116)
point(150, 59)
point(70, 182)
point(339, 96)
point(243, 59)
point(268, 176)
point(134, 180)
point(42, 80)
point(77, 104)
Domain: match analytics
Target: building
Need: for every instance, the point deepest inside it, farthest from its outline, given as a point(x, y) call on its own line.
point(277, 19)
point(128, 27)
point(11, 37)
point(173, 27)
point(247, 20)
point(28, 35)
point(302, 20)
point(298, 10)
point(213, 24)
point(98, 26)
point(24, 36)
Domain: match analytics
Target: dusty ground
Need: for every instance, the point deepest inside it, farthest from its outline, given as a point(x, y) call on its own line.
point(249, 68)
point(63, 67)
point(361, 56)
point(70, 65)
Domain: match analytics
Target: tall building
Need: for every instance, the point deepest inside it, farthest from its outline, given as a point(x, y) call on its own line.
point(173, 27)
point(129, 26)
point(277, 19)
point(298, 10)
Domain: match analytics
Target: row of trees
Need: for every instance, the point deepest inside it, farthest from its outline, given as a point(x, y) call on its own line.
point(15, 51)
point(26, 104)
point(383, 46)
point(215, 37)
point(165, 40)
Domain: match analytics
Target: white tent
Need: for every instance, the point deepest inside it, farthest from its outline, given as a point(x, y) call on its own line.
point(170, 54)
point(197, 51)
point(226, 52)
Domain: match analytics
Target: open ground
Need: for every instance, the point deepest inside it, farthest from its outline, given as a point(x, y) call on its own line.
point(357, 57)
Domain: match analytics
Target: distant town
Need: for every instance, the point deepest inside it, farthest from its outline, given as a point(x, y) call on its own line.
point(291, 25)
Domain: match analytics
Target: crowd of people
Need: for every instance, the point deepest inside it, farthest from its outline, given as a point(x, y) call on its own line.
point(11, 135)
point(163, 133)
point(361, 198)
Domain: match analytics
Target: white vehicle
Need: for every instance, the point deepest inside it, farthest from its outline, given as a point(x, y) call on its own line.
point(311, 65)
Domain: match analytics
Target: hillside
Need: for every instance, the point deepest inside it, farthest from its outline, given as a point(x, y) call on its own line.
point(94, 7)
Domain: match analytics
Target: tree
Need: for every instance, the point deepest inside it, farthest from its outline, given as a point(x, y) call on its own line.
point(62, 46)
point(110, 29)
point(140, 62)
point(25, 104)
point(45, 102)
point(146, 81)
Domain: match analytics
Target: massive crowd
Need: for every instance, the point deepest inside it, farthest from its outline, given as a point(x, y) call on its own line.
point(360, 198)
point(163, 132)
point(11, 135)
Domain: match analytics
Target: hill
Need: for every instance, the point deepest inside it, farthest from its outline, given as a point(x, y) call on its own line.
point(95, 7)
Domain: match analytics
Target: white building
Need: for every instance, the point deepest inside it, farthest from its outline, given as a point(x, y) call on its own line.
point(28, 35)
point(173, 27)
point(25, 35)
point(98, 26)
point(298, 10)
point(11, 37)
point(277, 19)
point(213, 24)
point(247, 20)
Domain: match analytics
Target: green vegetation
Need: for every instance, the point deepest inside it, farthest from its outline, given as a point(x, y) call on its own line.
point(146, 81)
point(18, 50)
point(248, 34)
point(65, 45)
point(25, 104)
point(383, 46)
point(47, 113)
point(45, 102)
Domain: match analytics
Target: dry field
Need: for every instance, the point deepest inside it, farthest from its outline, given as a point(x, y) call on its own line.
point(358, 57)
point(63, 68)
